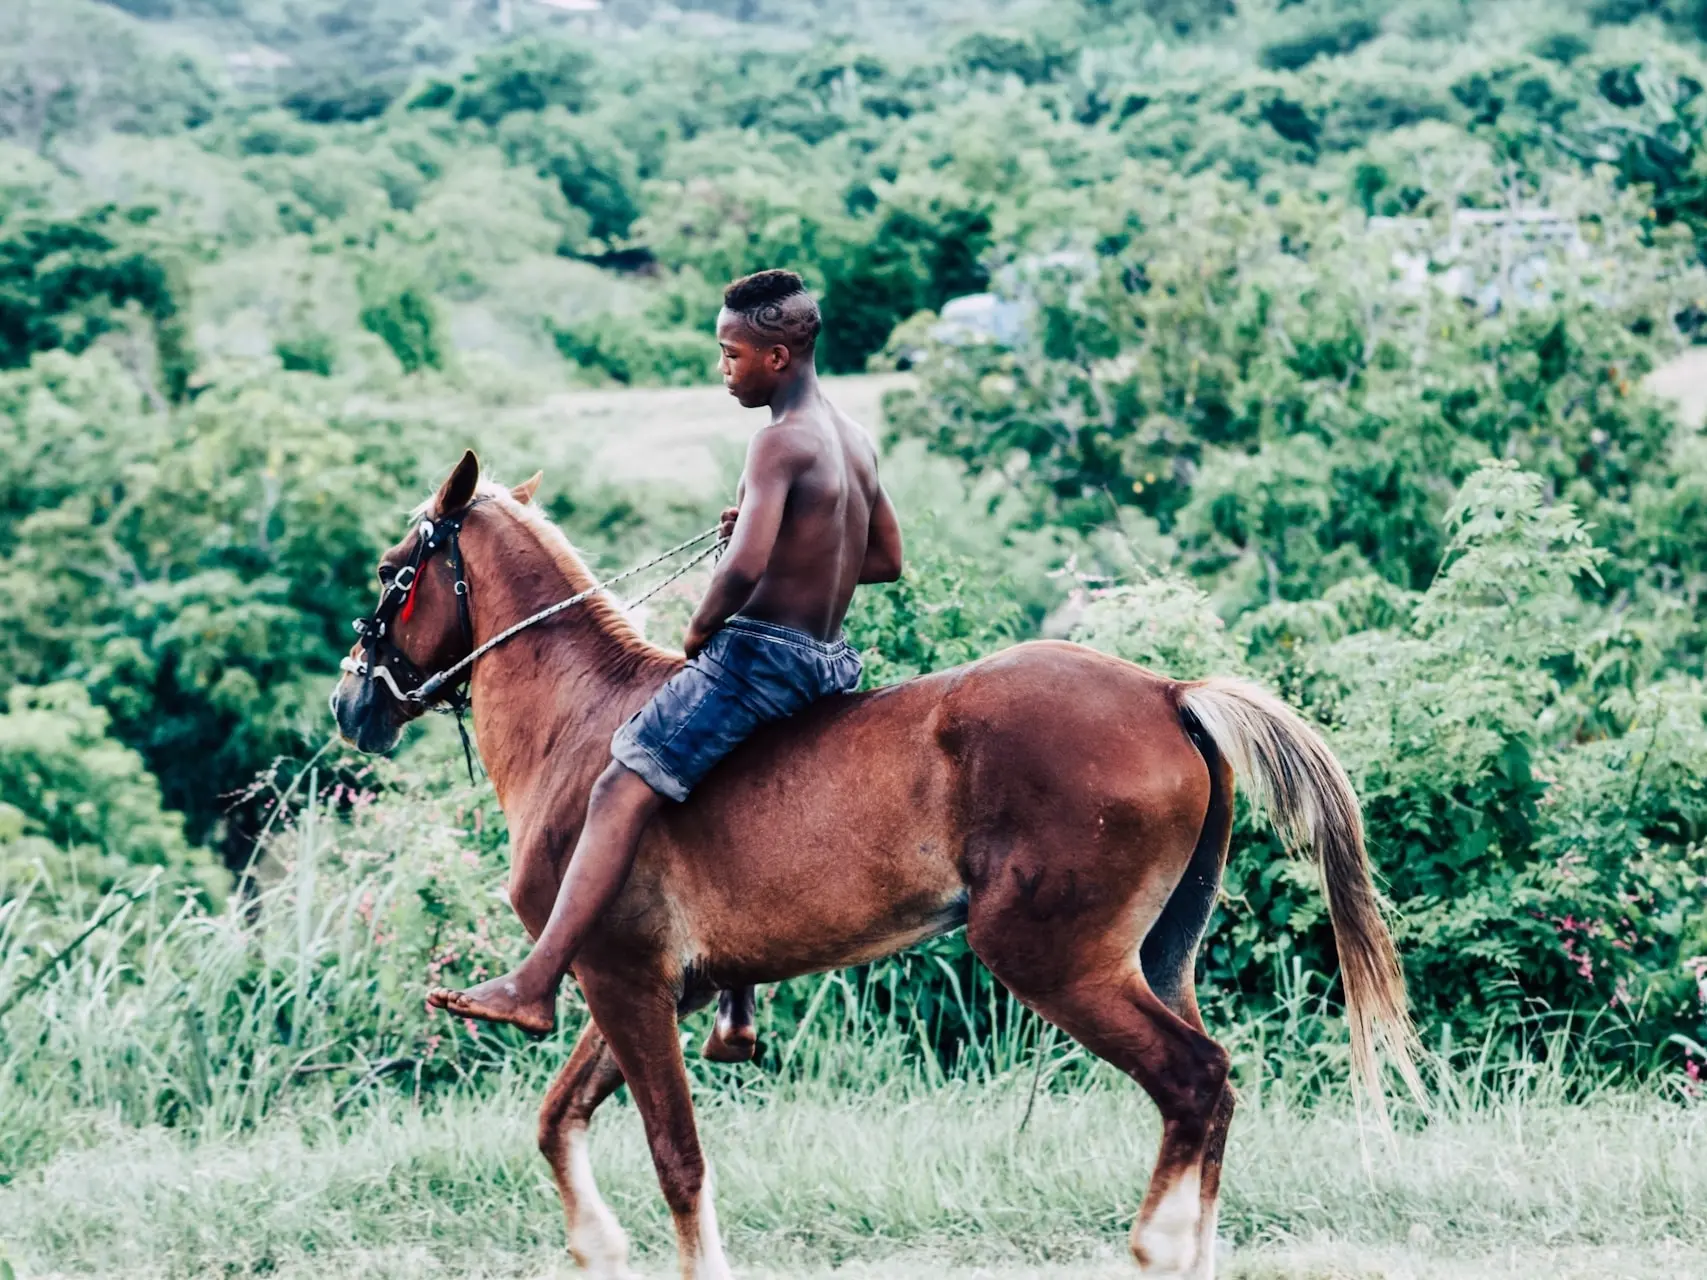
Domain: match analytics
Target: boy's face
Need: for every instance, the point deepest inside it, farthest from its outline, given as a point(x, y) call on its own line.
point(751, 368)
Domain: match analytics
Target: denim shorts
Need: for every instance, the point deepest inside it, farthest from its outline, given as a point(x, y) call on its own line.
point(750, 673)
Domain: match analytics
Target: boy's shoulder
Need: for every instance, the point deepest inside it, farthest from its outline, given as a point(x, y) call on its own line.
point(785, 440)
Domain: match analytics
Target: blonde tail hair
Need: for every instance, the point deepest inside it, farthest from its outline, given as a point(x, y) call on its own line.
point(1290, 775)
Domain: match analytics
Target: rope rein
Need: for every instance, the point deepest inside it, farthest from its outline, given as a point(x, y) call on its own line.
point(436, 682)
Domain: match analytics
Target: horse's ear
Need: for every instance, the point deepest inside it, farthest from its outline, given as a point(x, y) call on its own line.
point(524, 491)
point(458, 491)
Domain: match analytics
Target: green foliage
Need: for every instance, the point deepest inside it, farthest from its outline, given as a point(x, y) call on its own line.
point(1161, 622)
point(1033, 59)
point(78, 806)
point(406, 317)
point(1325, 30)
point(70, 67)
point(66, 282)
point(1534, 863)
point(1284, 402)
point(631, 350)
point(1292, 423)
point(196, 573)
point(308, 352)
point(946, 610)
point(590, 166)
point(529, 75)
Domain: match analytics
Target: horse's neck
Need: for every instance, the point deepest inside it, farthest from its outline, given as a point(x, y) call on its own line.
point(547, 701)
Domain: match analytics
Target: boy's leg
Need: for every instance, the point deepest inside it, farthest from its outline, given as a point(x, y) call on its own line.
point(617, 813)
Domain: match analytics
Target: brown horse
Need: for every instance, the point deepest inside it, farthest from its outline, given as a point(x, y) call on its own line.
point(1071, 810)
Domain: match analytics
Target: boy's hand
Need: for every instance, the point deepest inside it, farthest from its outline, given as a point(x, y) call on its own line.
point(726, 523)
point(694, 641)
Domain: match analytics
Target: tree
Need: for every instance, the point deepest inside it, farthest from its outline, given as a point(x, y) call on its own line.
point(66, 282)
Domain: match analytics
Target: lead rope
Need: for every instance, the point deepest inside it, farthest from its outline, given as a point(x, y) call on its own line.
point(457, 703)
point(434, 683)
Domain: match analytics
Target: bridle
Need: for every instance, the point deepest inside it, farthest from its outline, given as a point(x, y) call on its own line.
point(382, 659)
point(447, 691)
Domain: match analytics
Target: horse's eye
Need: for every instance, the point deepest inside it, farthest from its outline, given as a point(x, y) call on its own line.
point(386, 573)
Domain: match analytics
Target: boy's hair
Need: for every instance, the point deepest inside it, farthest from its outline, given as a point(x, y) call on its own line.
point(777, 307)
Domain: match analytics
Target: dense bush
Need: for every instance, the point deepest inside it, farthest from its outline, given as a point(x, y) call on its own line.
point(631, 350)
point(1535, 863)
point(194, 571)
point(66, 282)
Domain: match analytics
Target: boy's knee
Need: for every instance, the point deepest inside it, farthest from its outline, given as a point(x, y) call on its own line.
point(616, 779)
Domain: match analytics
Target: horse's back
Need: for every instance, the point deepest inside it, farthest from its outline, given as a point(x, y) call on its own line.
point(871, 819)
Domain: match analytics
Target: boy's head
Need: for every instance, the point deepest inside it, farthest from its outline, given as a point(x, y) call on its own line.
point(768, 328)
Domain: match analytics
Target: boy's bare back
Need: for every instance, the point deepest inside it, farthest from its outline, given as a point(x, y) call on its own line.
point(828, 465)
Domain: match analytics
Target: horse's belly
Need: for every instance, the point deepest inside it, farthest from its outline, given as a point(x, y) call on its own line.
point(823, 907)
point(824, 852)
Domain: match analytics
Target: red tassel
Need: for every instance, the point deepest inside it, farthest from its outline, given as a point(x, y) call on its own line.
point(409, 601)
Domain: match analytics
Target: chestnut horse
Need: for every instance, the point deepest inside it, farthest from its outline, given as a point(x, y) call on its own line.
point(1071, 810)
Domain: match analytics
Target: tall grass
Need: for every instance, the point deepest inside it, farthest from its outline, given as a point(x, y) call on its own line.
point(185, 1091)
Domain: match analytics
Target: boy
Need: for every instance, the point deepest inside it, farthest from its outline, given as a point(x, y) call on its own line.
point(810, 523)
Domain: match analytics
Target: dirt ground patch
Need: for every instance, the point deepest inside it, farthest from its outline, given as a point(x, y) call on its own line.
point(1684, 382)
point(686, 436)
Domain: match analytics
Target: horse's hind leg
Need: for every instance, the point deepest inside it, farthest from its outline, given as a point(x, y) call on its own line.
point(1080, 969)
point(1118, 1018)
point(591, 1075)
point(1168, 958)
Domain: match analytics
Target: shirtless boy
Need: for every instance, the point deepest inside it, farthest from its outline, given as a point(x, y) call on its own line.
point(810, 523)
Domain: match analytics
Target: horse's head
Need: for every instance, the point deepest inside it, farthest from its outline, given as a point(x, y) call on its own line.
point(421, 624)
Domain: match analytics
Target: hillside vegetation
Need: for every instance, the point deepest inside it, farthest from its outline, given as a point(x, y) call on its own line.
point(1330, 325)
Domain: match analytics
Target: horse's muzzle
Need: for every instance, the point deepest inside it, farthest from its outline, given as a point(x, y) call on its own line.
point(367, 715)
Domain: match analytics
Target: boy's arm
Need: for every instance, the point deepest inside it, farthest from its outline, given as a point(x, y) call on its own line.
point(883, 544)
point(772, 465)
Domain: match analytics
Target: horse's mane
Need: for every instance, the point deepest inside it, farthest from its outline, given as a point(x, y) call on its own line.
point(629, 647)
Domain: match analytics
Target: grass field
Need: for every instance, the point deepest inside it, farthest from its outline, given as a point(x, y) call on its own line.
point(906, 1180)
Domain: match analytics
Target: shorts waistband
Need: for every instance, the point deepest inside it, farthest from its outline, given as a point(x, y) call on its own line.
point(789, 635)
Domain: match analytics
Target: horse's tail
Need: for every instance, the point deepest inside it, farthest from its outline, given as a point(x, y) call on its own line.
point(1294, 779)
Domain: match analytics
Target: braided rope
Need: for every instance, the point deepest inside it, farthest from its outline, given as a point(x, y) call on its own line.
point(434, 683)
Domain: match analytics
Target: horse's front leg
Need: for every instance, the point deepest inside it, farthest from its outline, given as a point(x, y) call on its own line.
point(636, 1010)
point(589, 1077)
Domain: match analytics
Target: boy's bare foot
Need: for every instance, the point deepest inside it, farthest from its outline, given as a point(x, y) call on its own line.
point(732, 1037)
point(732, 1044)
point(499, 1000)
